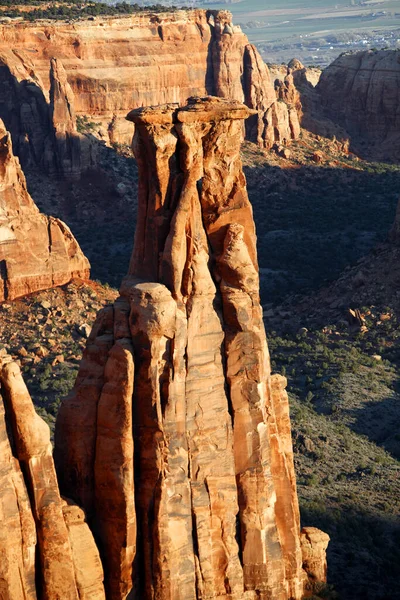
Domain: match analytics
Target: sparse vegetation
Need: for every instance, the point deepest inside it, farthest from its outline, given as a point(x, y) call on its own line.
point(73, 9)
point(84, 125)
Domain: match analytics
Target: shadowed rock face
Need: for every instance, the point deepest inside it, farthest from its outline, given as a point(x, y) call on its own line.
point(114, 64)
point(42, 124)
point(176, 439)
point(66, 140)
point(361, 92)
point(46, 548)
point(36, 251)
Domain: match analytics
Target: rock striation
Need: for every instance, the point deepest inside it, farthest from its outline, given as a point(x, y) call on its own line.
point(361, 92)
point(176, 439)
point(114, 64)
point(36, 251)
point(46, 548)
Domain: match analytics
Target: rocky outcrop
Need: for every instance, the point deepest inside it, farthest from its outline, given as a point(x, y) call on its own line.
point(46, 548)
point(67, 141)
point(36, 251)
point(314, 544)
point(295, 85)
point(114, 64)
point(361, 93)
point(24, 109)
point(277, 118)
point(42, 124)
point(176, 439)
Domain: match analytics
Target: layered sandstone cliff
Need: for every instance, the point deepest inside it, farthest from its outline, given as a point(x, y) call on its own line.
point(114, 64)
point(41, 119)
point(47, 551)
point(36, 251)
point(361, 93)
point(176, 439)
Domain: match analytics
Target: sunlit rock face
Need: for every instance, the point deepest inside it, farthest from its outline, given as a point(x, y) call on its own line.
point(46, 548)
point(176, 439)
point(116, 64)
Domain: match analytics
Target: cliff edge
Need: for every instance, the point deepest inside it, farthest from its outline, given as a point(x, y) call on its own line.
point(116, 64)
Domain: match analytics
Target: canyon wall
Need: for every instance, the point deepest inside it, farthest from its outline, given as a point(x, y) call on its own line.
point(46, 548)
point(361, 93)
point(115, 64)
point(36, 251)
point(42, 123)
point(176, 438)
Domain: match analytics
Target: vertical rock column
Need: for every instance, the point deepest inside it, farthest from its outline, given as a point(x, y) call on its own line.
point(46, 548)
point(67, 142)
point(240, 73)
point(176, 439)
point(228, 221)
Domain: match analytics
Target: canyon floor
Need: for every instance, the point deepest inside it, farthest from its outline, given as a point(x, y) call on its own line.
point(319, 213)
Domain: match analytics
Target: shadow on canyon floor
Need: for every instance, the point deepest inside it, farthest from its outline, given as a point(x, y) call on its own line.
point(364, 552)
point(312, 221)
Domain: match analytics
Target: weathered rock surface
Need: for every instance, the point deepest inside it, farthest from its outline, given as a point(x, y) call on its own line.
point(176, 439)
point(295, 85)
point(361, 93)
point(114, 64)
point(36, 251)
point(314, 544)
point(67, 141)
point(41, 120)
point(46, 548)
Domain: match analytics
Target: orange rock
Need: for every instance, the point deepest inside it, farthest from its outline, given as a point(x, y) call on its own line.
point(179, 368)
point(115, 64)
point(36, 251)
point(41, 554)
point(313, 546)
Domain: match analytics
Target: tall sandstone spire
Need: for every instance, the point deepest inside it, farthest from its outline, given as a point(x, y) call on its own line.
point(47, 551)
point(176, 439)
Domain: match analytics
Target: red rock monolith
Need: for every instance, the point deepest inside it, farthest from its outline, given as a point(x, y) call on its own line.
point(176, 439)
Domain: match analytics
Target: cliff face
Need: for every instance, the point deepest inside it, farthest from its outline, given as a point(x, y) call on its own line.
point(46, 548)
point(176, 439)
point(361, 92)
point(43, 130)
point(113, 65)
point(36, 251)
